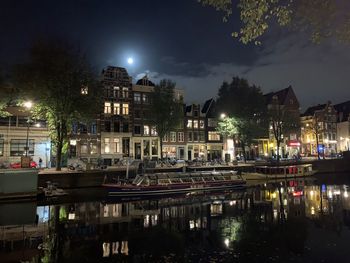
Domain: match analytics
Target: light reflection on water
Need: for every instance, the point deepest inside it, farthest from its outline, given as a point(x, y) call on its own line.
point(294, 221)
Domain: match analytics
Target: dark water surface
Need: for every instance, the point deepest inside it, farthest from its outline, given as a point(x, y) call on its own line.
point(288, 221)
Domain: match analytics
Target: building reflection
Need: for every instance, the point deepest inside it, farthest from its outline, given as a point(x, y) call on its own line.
point(116, 230)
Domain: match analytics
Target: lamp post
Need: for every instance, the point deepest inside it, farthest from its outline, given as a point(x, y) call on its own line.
point(28, 105)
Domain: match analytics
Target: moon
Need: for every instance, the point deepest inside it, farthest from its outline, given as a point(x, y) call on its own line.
point(130, 61)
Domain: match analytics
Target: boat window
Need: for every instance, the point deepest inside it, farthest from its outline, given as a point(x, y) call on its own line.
point(163, 181)
point(186, 180)
point(209, 179)
point(175, 180)
point(219, 178)
point(197, 179)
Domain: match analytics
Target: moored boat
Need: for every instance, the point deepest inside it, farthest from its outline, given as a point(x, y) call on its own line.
point(173, 183)
point(280, 172)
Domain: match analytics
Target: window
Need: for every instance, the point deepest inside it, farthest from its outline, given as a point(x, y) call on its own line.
point(116, 108)
point(137, 98)
point(190, 137)
point(116, 145)
point(137, 129)
point(93, 128)
point(137, 114)
point(106, 145)
point(116, 127)
point(154, 147)
point(213, 136)
point(195, 113)
point(1, 147)
point(195, 136)
point(93, 148)
point(180, 137)
point(201, 124)
point(125, 93)
point(195, 124)
point(189, 124)
point(125, 127)
point(83, 148)
point(116, 92)
point(212, 123)
point(145, 98)
point(201, 136)
point(107, 126)
point(145, 130)
point(154, 131)
point(165, 138)
point(125, 109)
point(18, 147)
point(108, 109)
point(173, 136)
point(84, 90)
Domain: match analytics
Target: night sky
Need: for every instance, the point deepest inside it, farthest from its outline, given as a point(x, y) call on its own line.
point(180, 40)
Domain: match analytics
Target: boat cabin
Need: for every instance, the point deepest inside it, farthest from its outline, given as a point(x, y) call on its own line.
point(303, 169)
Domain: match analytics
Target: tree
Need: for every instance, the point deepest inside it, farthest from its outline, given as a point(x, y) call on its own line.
point(314, 129)
point(60, 81)
point(228, 127)
point(320, 18)
point(246, 105)
point(166, 111)
point(282, 122)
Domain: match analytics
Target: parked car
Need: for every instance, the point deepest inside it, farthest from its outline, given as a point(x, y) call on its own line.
point(17, 165)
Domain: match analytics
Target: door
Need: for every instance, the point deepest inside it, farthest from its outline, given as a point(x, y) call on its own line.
point(138, 150)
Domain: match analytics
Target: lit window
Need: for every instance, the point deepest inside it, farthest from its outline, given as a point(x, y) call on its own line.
point(116, 92)
point(106, 145)
point(201, 124)
point(154, 131)
point(189, 124)
point(195, 124)
point(145, 98)
point(213, 136)
point(84, 90)
point(125, 92)
point(181, 136)
point(116, 108)
point(190, 136)
point(83, 148)
point(165, 138)
point(173, 136)
point(116, 145)
point(125, 109)
point(145, 130)
point(108, 108)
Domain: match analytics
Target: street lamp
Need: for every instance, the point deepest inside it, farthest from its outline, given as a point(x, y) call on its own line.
point(28, 105)
point(222, 116)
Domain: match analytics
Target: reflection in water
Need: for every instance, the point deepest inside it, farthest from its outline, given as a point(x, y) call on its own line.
point(284, 221)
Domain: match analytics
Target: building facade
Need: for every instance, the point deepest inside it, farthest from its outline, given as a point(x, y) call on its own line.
point(320, 121)
point(288, 104)
point(16, 129)
point(343, 126)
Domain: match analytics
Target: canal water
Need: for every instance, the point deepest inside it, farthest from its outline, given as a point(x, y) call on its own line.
point(286, 221)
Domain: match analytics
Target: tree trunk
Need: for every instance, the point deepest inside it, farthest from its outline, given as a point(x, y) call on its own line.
point(318, 151)
point(59, 155)
point(278, 152)
point(243, 150)
point(161, 147)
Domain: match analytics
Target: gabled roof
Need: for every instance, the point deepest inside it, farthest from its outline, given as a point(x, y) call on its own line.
point(343, 110)
point(145, 82)
point(207, 105)
point(281, 95)
point(311, 110)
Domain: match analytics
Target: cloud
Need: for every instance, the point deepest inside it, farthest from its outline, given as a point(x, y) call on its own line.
point(318, 73)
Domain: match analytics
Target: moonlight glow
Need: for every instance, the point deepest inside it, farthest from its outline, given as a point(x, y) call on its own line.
point(130, 61)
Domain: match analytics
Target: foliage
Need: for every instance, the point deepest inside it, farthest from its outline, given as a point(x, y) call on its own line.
point(53, 79)
point(245, 106)
point(320, 18)
point(228, 127)
point(282, 121)
point(166, 111)
point(7, 95)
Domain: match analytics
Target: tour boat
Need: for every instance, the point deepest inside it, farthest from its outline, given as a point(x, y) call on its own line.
point(280, 172)
point(174, 183)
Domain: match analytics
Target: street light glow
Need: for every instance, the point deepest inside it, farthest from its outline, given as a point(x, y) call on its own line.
point(222, 115)
point(28, 104)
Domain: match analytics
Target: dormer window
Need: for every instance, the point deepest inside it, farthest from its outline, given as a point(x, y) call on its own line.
point(84, 90)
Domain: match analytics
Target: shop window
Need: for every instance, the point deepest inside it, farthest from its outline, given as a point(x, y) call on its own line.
point(93, 148)
point(154, 147)
point(83, 148)
point(18, 147)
